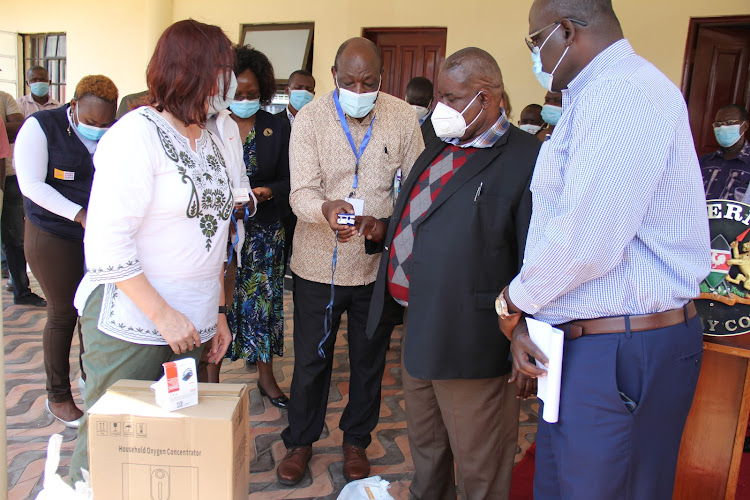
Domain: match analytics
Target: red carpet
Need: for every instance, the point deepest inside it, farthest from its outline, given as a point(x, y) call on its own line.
point(522, 486)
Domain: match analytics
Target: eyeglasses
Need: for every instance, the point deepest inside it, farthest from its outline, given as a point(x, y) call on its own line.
point(727, 123)
point(530, 40)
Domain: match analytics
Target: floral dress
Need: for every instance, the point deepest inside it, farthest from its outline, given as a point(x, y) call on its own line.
point(256, 317)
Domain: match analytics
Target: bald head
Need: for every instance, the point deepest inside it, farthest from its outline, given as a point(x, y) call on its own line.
point(598, 14)
point(360, 48)
point(477, 67)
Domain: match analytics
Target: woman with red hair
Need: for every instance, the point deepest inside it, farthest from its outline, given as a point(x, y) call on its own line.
point(158, 220)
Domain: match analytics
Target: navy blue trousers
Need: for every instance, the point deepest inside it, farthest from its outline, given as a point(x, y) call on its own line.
point(599, 449)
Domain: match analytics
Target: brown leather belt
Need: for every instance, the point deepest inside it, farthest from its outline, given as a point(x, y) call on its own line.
point(618, 324)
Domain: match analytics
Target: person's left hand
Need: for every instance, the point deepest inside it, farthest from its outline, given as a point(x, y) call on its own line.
point(220, 342)
point(262, 194)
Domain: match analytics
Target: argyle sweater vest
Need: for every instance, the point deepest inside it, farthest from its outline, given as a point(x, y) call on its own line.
point(421, 197)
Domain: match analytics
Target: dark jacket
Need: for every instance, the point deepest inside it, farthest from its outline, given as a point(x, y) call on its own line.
point(428, 131)
point(272, 151)
point(467, 248)
point(68, 157)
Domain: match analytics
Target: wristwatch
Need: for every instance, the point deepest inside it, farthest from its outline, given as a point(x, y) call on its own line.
point(501, 306)
point(223, 309)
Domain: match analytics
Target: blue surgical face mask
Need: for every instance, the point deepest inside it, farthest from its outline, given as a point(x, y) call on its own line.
point(298, 98)
point(357, 105)
point(39, 89)
point(245, 108)
point(89, 132)
point(544, 78)
point(728, 135)
point(551, 114)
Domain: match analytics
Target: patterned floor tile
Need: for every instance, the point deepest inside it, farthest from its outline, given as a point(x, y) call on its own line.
point(29, 425)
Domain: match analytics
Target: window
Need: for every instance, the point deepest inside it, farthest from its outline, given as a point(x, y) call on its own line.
point(47, 50)
point(9, 63)
point(289, 47)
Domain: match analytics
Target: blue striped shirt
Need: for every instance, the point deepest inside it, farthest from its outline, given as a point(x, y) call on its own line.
point(619, 224)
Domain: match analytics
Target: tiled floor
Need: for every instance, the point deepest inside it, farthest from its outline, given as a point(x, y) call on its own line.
point(29, 425)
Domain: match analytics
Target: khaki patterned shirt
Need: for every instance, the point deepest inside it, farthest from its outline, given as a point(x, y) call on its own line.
point(321, 164)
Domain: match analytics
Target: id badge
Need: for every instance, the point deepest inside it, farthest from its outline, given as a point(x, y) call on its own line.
point(64, 175)
point(358, 204)
point(241, 195)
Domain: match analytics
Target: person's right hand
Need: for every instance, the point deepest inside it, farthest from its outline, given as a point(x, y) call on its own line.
point(370, 227)
point(522, 347)
point(178, 331)
point(330, 210)
point(81, 217)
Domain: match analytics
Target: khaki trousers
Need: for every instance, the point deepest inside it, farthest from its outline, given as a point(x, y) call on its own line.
point(473, 422)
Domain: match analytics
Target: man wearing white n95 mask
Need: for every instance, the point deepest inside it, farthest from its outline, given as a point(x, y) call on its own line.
point(345, 150)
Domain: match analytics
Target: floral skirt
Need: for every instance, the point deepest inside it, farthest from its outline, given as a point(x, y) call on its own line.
point(256, 317)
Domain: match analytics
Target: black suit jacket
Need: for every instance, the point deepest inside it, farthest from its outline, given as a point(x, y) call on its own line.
point(272, 151)
point(428, 131)
point(467, 248)
point(281, 115)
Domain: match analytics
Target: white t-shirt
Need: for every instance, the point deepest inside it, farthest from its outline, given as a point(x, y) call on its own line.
point(159, 208)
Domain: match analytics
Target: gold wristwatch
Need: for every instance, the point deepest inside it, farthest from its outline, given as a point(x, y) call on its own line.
point(501, 306)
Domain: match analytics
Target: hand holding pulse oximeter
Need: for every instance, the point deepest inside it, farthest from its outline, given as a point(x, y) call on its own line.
point(345, 219)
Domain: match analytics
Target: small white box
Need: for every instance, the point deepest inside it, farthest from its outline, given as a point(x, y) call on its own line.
point(241, 195)
point(178, 388)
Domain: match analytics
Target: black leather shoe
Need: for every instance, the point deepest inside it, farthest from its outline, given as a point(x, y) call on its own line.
point(280, 402)
point(31, 299)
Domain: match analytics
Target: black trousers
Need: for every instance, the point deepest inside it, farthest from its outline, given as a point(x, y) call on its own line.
point(12, 224)
point(58, 266)
point(311, 381)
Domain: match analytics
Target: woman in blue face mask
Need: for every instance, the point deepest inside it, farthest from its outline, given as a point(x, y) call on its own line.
point(53, 155)
point(256, 312)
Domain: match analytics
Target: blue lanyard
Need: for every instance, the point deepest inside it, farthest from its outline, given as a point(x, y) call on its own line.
point(328, 318)
point(236, 236)
point(348, 132)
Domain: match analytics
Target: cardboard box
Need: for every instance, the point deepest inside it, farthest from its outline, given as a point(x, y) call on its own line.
point(139, 451)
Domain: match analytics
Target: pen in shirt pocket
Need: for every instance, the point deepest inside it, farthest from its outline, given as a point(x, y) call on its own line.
point(479, 191)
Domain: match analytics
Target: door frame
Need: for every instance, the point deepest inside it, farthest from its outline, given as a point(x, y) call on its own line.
point(692, 42)
point(404, 29)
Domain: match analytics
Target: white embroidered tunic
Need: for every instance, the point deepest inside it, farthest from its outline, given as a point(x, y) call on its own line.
point(159, 208)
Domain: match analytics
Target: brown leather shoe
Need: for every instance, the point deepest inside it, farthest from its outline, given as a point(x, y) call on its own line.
point(356, 465)
point(292, 467)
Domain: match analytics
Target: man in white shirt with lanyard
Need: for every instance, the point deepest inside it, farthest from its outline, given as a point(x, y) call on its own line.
point(345, 151)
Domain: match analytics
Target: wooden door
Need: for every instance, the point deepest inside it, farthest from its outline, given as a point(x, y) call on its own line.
point(717, 64)
point(408, 52)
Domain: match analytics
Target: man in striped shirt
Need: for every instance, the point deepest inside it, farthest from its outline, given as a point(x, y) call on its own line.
point(618, 245)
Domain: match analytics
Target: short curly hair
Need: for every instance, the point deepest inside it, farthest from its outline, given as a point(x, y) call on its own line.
point(97, 85)
point(247, 58)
